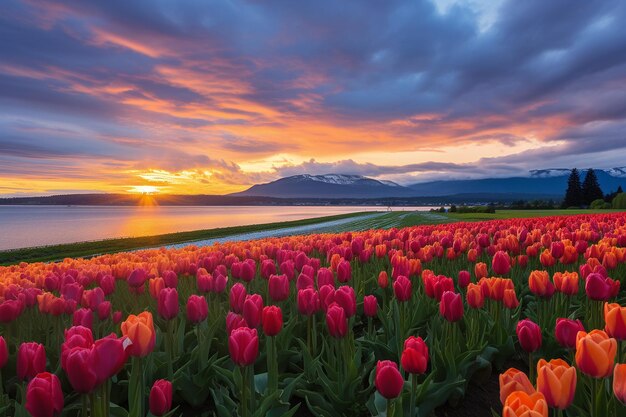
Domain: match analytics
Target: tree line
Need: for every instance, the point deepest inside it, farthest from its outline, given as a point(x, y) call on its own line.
point(589, 194)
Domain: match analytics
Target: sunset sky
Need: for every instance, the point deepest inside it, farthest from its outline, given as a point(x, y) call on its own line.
point(213, 96)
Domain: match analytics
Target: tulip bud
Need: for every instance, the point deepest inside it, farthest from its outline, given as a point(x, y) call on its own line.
point(79, 368)
point(346, 298)
point(474, 296)
point(556, 380)
point(83, 317)
point(383, 279)
point(160, 399)
point(414, 357)
point(325, 277)
point(140, 331)
point(272, 319)
point(501, 263)
point(237, 297)
point(514, 380)
point(595, 353)
point(402, 288)
point(336, 321)
point(566, 331)
point(278, 287)
point(104, 310)
point(308, 301)
point(197, 309)
point(31, 360)
point(464, 279)
point(252, 309)
point(171, 279)
point(521, 404)
point(44, 397)
point(480, 270)
point(234, 321)
point(243, 345)
point(451, 306)
point(370, 305)
point(344, 271)
point(388, 380)
point(168, 303)
point(510, 299)
point(619, 382)
point(529, 335)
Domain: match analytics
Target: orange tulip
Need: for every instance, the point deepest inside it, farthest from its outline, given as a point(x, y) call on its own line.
point(595, 353)
point(546, 258)
point(615, 319)
point(566, 282)
point(140, 330)
point(510, 299)
point(619, 382)
point(540, 284)
point(514, 380)
point(522, 404)
point(480, 270)
point(556, 380)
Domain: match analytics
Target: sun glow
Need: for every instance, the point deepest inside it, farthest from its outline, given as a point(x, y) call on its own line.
point(144, 189)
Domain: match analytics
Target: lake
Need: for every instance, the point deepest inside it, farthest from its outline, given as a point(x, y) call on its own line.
point(26, 226)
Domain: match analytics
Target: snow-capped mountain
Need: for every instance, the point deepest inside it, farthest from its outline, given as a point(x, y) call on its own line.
point(328, 186)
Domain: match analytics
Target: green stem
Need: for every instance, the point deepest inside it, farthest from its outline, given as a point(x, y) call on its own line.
point(390, 408)
point(84, 411)
point(136, 389)
point(244, 402)
point(531, 368)
point(412, 411)
point(251, 387)
point(170, 348)
point(272, 366)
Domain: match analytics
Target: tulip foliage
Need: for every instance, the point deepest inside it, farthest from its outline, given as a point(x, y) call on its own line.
point(378, 322)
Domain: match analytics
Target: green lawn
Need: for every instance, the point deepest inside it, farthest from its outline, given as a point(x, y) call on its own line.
point(396, 218)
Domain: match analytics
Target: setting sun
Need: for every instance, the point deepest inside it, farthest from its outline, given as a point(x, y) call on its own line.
point(144, 189)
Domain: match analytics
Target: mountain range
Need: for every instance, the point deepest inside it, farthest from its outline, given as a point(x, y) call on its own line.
point(541, 184)
point(341, 189)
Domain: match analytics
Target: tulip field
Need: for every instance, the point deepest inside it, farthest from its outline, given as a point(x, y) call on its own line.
point(393, 322)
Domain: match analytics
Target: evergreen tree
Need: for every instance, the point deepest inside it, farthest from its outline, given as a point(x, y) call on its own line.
point(573, 195)
point(591, 188)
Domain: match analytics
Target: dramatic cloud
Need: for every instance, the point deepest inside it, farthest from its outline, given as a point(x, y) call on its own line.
point(209, 97)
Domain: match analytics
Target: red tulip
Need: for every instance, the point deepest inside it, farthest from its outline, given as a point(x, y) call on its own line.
point(501, 263)
point(31, 360)
point(383, 279)
point(237, 297)
point(566, 331)
point(451, 306)
point(197, 309)
point(171, 279)
point(346, 298)
point(304, 281)
point(168, 303)
point(104, 310)
point(414, 357)
point(268, 268)
point(402, 288)
point(93, 298)
point(137, 278)
point(10, 310)
point(272, 319)
point(79, 368)
point(83, 317)
point(600, 288)
point(325, 277)
point(243, 345)
point(204, 281)
point(308, 301)
point(344, 271)
point(278, 287)
point(44, 397)
point(108, 356)
point(370, 305)
point(234, 321)
point(557, 249)
point(336, 321)
point(464, 279)
point(326, 296)
point(160, 399)
point(388, 380)
point(4, 353)
point(117, 317)
point(529, 335)
point(252, 309)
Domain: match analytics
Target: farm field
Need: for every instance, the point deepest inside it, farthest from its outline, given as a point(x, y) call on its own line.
point(336, 223)
point(381, 320)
